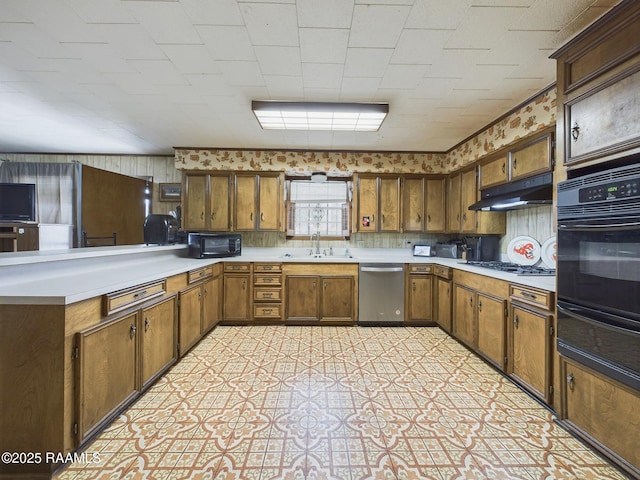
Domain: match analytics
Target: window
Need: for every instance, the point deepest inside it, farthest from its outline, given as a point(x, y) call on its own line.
point(318, 207)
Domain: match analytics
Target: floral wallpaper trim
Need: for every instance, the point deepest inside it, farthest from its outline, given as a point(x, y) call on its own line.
point(530, 118)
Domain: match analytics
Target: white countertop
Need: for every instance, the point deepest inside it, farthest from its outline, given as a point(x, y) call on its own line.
point(63, 277)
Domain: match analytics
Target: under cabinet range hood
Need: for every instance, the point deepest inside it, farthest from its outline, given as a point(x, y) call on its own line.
point(528, 192)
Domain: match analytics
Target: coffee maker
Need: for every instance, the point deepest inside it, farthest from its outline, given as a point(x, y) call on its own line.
point(483, 249)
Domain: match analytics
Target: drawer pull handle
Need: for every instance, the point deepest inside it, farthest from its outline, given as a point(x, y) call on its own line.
point(146, 324)
point(575, 132)
point(266, 311)
point(571, 382)
point(267, 294)
point(504, 168)
point(132, 330)
point(516, 320)
point(529, 295)
point(428, 218)
point(515, 163)
point(480, 305)
point(140, 294)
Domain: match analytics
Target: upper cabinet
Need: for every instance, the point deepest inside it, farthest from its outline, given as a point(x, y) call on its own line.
point(207, 201)
point(378, 200)
point(463, 192)
point(599, 89)
point(523, 159)
point(211, 203)
point(423, 204)
point(259, 202)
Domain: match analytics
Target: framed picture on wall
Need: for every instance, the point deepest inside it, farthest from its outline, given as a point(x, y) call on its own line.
point(170, 192)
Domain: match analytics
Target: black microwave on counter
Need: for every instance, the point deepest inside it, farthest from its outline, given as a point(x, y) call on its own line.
point(214, 245)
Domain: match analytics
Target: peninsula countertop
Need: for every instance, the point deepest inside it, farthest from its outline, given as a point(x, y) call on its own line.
point(64, 277)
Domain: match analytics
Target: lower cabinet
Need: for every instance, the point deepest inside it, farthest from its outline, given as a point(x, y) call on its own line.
point(419, 295)
point(480, 315)
point(318, 293)
point(212, 300)
point(442, 297)
point(118, 358)
point(190, 318)
point(237, 293)
point(603, 412)
point(106, 374)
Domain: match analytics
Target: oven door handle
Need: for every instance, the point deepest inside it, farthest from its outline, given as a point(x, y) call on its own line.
point(609, 226)
point(576, 312)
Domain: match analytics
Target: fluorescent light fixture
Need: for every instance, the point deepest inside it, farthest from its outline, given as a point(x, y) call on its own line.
point(354, 117)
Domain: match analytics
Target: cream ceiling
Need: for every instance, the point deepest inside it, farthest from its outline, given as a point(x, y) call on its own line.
point(144, 76)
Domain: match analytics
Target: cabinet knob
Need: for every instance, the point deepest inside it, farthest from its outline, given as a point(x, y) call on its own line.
point(471, 301)
point(570, 382)
point(201, 215)
point(132, 330)
point(515, 163)
point(146, 324)
point(428, 218)
point(244, 284)
point(575, 131)
point(480, 305)
point(504, 168)
point(414, 286)
point(516, 320)
point(262, 216)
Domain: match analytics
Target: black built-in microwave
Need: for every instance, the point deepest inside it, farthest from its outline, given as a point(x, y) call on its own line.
point(212, 245)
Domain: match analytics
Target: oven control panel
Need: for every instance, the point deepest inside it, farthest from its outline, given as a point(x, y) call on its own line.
point(623, 189)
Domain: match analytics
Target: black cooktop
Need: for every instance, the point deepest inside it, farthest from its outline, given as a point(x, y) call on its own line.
point(513, 268)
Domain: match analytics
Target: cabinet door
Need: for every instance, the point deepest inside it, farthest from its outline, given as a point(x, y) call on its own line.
point(604, 409)
point(367, 204)
point(302, 297)
point(212, 302)
point(533, 158)
point(453, 201)
point(492, 334)
point(158, 339)
point(245, 202)
point(237, 297)
point(390, 204)
point(220, 203)
point(531, 350)
point(195, 195)
point(494, 172)
point(420, 298)
point(337, 299)
point(270, 204)
point(413, 205)
point(443, 313)
point(434, 205)
point(106, 375)
point(464, 323)
point(469, 193)
point(189, 318)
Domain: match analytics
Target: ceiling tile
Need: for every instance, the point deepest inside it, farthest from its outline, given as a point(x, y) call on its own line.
point(377, 26)
point(279, 60)
point(191, 59)
point(324, 13)
point(241, 73)
point(219, 12)
point(367, 62)
point(129, 41)
point(271, 23)
point(166, 22)
point(227, 42)
point(322, 75)
point(323, 45)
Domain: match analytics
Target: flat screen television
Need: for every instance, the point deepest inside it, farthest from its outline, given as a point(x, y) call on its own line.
point(17, 202)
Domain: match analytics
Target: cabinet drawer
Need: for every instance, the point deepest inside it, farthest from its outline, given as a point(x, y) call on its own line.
point(262, 279)
point(532, 296)
point(267, 310)
point(200, 273)
point(267, 267)
point(418, 269)
point(237, 267)
point(117, 301)
point(267, 294)
point(443, 272)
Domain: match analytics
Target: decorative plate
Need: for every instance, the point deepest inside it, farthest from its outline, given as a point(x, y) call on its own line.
point(550, 252)
point(524, 250)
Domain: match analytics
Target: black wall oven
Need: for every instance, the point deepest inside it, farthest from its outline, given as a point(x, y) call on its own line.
point(598, 269)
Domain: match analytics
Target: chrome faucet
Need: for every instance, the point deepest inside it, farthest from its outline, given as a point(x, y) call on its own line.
point(317, 236)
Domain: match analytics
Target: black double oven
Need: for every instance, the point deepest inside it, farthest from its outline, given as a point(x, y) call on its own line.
point(598, 267)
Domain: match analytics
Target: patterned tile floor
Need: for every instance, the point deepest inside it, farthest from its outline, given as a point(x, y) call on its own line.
point(335, 403)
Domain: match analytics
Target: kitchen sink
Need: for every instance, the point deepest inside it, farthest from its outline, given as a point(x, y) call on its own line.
point(316, 256)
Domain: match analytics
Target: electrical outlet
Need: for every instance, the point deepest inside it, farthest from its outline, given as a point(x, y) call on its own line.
point(360, 243)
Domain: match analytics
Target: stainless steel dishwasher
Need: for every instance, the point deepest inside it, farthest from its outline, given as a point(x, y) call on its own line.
point(381, 294)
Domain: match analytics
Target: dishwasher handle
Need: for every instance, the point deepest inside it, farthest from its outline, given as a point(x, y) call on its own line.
point(382, 269)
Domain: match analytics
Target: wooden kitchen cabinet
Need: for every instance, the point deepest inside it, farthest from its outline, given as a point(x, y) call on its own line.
point(190, 318)
point(423, 204)
point(378, 203)
point(602, 412)
point(419, 295)
point(322, 293)
point(531, 158)
point(494, 171)
point(158, 345)
point(464, 317)
point(19, 237)
point(267, 291)
point(492, 329)
point(237, 293)
point(599, 89)
point(443, 297)
point(106, 374)
point(531, 348)
point(259, 202)
point(463, 192)
point(212, 299)
point(207, 201)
